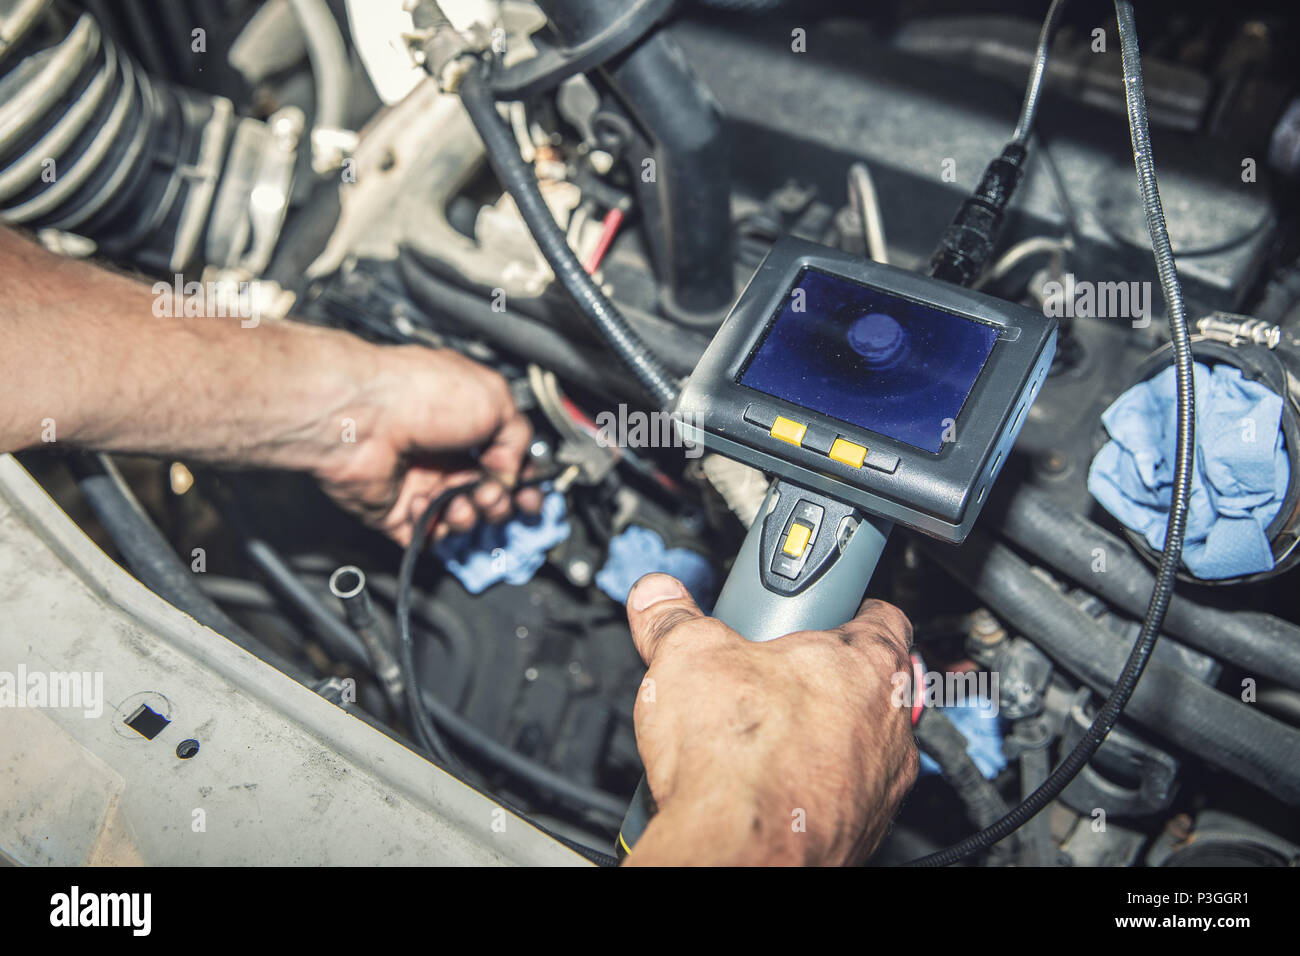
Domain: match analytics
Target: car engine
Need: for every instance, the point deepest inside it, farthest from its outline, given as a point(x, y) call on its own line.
point(311, 161)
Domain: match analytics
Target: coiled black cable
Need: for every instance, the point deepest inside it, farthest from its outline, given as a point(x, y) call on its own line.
point(518, 179)
point(1135, 99)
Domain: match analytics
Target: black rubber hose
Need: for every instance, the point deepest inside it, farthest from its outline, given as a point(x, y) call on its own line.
point(518, 179)
point(153, 560)
point(1185, 449)
point(940, 738)
point(685, 206)
point(444, 622)
point(449, 627)
point(688, 203)
point(678, 348)
point(1237, 737)
point(1067, 542)
point(519, 335)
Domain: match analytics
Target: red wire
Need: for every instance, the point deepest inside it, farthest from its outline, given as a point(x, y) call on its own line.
point(579, 415)
point(613, 219)
point(918, 692)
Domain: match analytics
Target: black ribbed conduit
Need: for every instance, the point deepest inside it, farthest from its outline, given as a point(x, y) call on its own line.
point(941, 740)
point(518, 179)
point(1066, 542)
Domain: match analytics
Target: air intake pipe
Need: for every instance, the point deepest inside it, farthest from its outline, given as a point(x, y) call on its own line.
point(155, 174)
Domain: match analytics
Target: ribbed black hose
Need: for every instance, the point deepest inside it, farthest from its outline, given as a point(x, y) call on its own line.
point(154, 561)
point(518, 179)
point(1215, 727)
point(939, 737)
point(1066, 542)
point(1166, 575)
point(520, 334)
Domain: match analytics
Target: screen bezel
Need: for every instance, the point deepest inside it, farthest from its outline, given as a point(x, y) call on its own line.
point(780, 310)
point(931, 491)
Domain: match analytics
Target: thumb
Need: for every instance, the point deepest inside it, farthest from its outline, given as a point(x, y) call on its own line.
point(657, 605)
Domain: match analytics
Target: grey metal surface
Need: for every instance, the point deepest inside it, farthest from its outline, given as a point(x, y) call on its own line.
point(282, 776)
point(761, 615)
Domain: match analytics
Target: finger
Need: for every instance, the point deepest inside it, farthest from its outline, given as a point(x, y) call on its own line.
point(879, 624)
point(504, 457)
point(657, 605)
point(412, 498)
point(460, 514)
point(493, 501)
point(529, 500)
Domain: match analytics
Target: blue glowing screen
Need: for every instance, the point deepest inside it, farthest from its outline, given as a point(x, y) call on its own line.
point(872, 359)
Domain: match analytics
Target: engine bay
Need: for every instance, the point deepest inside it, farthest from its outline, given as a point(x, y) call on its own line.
point(317, 173)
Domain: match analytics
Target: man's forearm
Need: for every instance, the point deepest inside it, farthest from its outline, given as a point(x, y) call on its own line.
point(86, 362)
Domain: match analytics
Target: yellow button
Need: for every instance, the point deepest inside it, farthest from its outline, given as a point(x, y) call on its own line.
point(788, 430)
point(797, 539)
point(848, 452)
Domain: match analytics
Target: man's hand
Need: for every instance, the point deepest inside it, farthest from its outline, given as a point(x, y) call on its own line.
point(420, 413)
point(790, 751)
point(89, 362)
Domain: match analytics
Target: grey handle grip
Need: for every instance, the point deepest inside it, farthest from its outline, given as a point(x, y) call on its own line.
point(758, 614)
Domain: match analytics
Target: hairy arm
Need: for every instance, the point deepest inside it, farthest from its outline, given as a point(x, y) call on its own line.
point(86, 362)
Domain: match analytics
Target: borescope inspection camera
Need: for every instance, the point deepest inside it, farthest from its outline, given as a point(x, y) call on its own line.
point(875, 397)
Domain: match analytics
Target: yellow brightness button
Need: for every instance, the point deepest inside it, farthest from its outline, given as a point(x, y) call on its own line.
point(850, 453)
point(789, 430)
point(797, 540)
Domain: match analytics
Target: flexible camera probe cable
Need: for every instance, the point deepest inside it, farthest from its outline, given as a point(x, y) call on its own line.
point(1171, 288)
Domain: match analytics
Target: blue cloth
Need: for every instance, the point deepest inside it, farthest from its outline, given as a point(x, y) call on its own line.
point(1241, 473)
point(511, 552)
point(976, 721)
point(639, 551)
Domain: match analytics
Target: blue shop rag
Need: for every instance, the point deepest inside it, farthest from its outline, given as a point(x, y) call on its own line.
point(639, 551)
point(1240, 478)
point(511, 552)
point(976, 720)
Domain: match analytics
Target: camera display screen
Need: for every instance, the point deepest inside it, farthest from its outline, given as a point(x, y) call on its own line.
point(878, 361)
